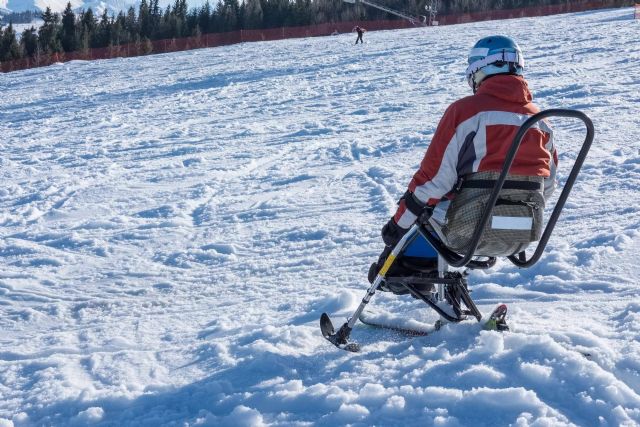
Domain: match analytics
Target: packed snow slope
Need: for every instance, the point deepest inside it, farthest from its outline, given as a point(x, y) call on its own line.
point(174, 225)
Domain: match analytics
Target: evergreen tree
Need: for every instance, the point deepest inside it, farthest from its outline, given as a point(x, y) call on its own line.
point(227, 14)
point(144, 19)
point(180, 9)
point(9, 47)
point(29, 42)
point(302, 12)
point(252, 14)
point(192, 27)
point(178, 18)
point(119, 31)
point(48, 34)
point(88, 21)
point(164, 31)
point(204, 16)
point(103, 31)
point(155, 17)
point(215, 23)
point(87, 26)
point(277, 13)
point(68, 36)
point(131, 24)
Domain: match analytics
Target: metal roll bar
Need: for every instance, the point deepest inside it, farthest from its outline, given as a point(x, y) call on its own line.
point(456, 260)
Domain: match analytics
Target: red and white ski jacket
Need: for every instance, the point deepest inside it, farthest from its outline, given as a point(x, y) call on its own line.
point(475, 134)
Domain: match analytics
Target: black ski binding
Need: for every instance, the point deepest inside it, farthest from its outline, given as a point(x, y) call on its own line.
point(341, 338)
point(497, 321)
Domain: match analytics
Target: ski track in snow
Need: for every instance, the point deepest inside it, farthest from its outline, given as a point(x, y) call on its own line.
point(174, 225)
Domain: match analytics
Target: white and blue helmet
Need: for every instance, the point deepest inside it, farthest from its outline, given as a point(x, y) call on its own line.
point(493, 55)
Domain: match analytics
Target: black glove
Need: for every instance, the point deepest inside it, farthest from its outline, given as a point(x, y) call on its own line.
point(392, 233)
point(376, 266)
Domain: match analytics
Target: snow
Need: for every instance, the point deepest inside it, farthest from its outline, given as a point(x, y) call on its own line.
point(174, 225)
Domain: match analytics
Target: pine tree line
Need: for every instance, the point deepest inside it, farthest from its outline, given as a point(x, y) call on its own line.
point(70, 31)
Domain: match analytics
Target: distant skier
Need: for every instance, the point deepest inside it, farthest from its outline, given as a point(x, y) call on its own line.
point(360, 32)
point(473, 137)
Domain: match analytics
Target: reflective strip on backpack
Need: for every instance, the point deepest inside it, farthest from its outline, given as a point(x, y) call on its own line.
point(511, 223)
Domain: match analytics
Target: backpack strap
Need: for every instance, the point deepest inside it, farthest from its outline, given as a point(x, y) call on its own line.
point(413, 204)
point(508, 184)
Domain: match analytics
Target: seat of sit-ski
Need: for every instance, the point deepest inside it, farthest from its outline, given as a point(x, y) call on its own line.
point(514, 223)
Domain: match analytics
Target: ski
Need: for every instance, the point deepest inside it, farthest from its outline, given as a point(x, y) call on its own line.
point(495, 322)
point(367, 318)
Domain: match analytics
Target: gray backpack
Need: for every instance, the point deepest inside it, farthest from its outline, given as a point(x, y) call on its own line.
point(516, 219)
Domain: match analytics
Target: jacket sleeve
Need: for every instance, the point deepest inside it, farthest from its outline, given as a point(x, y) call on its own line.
point(437, 174)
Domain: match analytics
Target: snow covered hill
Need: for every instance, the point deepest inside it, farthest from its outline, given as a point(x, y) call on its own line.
point(23, 5)
point(174, 225)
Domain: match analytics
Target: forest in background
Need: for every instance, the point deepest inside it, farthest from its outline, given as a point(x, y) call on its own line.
point(73, 31)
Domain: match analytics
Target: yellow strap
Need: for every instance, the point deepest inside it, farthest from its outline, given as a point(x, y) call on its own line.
point(387, 265)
